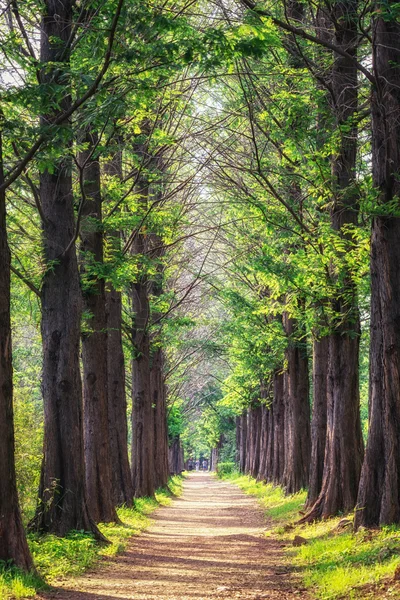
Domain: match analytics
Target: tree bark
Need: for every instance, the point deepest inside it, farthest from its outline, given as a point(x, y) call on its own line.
point(13, 544)
point(243, 442)
point(175, 457)
point(297, 413)
point(158, 392)
point(94, 344)
point(319, 417)
point(278, 429)
point(263, 443)
point(238, 438)
point(62, 492)
point(379, 496)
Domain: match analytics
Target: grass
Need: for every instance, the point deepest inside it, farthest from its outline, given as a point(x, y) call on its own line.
point(57, 558)
point(334, 563)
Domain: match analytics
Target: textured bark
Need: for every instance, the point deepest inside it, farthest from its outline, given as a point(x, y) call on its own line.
point(278, 432)
point(243, 443)
point(297, 413)
point(175, 457)
point(142, 410)
point(158, 392)
point(94, 345)
point(238, 437)
point(319, 417)
point(379, 496)
point(13, 545)
point(263, 443)
point(122, 486)
point(62, 492)
point(256, 441)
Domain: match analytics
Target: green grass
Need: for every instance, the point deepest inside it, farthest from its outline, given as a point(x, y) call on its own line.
point(334, 563)
point(57, 558)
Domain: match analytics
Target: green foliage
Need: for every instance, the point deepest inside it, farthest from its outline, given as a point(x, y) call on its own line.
point(225, 468)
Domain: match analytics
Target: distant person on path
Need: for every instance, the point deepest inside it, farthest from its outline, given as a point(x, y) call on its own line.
point(205, 465)
point(197, 465)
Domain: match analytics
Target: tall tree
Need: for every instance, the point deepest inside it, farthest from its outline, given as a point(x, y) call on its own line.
point(379, 498)
point(94, 339)
point(344, 443)
point(122, 486)
point(13, 546)
point(62, 492)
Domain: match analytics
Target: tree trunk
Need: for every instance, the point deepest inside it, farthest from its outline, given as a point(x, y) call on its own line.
point(297, 414)
point(94, 344)
point(62, 492)
point(318, 423)
point(13, 545)
point(243, 442)
point(238, 438)
point(263, 443)
point(122, 486)
point(379, 496)
point(278, 430)
point(255, 463)
point(175, 457)
point(142, 410)
point(158, 393)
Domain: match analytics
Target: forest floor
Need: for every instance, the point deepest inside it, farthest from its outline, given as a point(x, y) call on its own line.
point(209, 543)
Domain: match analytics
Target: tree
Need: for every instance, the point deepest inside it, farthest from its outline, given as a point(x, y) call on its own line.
point(13, 545)
point(62, 493)
point(378, 497)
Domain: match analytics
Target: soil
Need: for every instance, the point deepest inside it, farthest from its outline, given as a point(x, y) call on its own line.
point(210, 543)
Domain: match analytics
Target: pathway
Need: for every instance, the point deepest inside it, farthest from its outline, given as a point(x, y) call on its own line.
point(208, 544)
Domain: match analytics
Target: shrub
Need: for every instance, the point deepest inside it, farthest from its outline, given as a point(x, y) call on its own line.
point(225, 468)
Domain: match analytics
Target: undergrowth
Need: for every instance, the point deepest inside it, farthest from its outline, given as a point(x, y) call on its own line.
point(57, 558)
point(334, 563)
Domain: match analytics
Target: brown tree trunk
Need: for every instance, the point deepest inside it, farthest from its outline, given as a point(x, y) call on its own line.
point(243, 442)
point(318, 422)
point(94, 344)
point(238, 437)
point(297, 413)
point(13, 545)
point(122, 486)
point(256, 437)
point(379, 496)
point(261, 474)
point(278, 428)
point(142, 410)
point(175, 457)
point(62, 492)
point(158, 393)
point(344, 443)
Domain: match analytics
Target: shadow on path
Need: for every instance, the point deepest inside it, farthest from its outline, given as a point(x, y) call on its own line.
point(208, 544)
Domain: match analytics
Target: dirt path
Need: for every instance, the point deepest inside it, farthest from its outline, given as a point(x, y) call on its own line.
point(207, 544)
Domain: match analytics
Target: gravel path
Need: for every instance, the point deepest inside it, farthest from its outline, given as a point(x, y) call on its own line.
point(208, 544)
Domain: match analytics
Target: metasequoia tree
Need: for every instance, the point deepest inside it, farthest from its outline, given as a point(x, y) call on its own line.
point(13, 544)
point(122, 486)
point(344, 443)
point(379, 497)
point(62, 493)
point(94, 340)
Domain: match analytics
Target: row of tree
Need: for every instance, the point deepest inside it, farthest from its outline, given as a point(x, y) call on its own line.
point(307, 159)
point(192, 190)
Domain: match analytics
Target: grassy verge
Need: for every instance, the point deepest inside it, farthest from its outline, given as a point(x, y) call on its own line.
point(334, 563)
point(57, 558)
